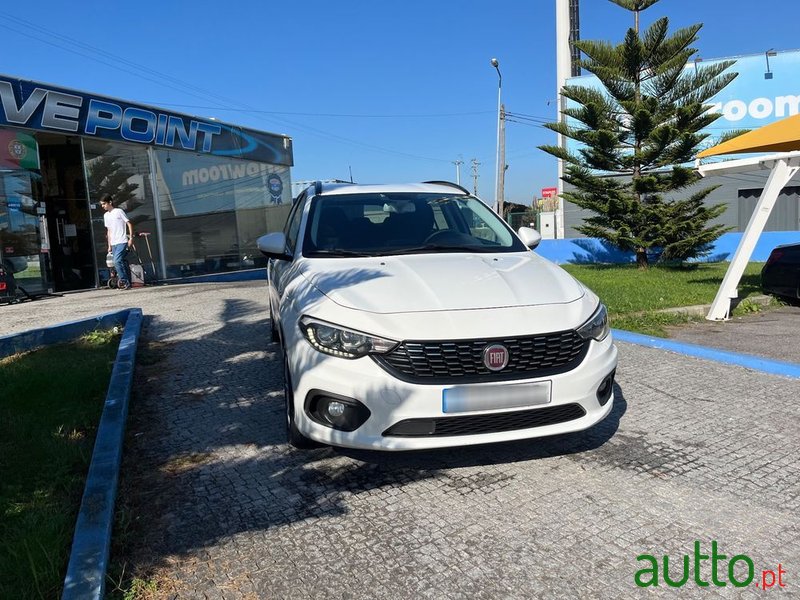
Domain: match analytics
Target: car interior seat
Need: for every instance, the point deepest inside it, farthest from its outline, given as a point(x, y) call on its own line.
point(411, 228)
point(333, 229)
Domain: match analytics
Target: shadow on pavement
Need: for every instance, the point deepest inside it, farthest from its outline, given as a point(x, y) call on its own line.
point(206, 458)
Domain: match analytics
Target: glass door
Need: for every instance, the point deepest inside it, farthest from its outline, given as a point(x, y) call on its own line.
point(23, 231)
point(66, 209)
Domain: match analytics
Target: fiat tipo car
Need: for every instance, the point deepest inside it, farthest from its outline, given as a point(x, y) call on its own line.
point(411, 316)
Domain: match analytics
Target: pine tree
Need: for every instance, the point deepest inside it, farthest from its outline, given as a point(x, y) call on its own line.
point(636, 137)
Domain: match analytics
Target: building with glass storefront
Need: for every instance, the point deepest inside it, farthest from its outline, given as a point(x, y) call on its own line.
point(201, 191)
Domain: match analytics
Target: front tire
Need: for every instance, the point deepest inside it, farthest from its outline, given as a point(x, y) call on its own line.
point(293, 435)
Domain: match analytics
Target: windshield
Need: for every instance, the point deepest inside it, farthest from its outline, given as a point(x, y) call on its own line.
point(404, 223)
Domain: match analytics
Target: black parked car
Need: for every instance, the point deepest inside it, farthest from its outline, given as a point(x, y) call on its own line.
point(781, 275)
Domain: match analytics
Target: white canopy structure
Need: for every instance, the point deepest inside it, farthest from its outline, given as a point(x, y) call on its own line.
point(782, 136)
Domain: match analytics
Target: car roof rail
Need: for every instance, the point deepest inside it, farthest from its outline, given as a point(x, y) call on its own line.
point(317, 188)
point(451, 184)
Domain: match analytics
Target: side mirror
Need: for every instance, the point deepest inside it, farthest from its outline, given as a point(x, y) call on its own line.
point(273, 245)
point(530, 237)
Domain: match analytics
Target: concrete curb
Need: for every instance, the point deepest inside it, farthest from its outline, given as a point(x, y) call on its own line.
point(86, 572)
point(26, 341)
point(701, 310)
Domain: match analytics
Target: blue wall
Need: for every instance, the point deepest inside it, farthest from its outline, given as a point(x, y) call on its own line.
point(592, 250)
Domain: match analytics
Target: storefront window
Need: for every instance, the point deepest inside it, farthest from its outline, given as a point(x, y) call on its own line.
point(214, 209)
point(122, 170)
point(23, 231)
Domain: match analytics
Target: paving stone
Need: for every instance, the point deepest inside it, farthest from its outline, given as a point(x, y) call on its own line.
point(693, 450)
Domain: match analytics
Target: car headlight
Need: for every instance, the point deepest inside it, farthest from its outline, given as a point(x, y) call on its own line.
point(596, 328)
point(339, 341)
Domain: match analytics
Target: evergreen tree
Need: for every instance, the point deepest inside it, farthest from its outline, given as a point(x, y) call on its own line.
point(636, 137)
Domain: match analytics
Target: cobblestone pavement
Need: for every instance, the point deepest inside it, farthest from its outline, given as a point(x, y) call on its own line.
point(693, 450)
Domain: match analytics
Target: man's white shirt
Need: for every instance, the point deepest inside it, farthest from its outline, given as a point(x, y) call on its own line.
point(115, 221)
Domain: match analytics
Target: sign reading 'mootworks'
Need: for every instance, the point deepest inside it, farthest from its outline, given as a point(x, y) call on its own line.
point(34, 105)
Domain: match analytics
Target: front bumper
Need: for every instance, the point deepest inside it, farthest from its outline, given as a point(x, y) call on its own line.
point(391, 401)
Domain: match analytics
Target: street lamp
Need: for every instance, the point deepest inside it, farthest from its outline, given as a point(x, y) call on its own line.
point(768, 53)
point(498, 201)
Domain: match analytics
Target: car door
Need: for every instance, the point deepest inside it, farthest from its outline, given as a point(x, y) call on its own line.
point(281, 272)
point(792, 271)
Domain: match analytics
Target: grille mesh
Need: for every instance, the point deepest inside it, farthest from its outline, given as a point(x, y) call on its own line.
point(493, 423)
point(462, 360)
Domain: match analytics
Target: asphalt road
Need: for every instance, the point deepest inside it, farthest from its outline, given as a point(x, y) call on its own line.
point(221, 507)
point(772, 333)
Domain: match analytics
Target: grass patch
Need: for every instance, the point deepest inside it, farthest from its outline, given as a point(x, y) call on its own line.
point(50, 404)
point(634, 296)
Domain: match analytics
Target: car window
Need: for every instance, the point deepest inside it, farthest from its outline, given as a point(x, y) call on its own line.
point(396, 223)
point(479, 228)
point(292, 229)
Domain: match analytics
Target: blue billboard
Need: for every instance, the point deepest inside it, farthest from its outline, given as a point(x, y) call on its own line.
point(766, 89)
point(33, 105)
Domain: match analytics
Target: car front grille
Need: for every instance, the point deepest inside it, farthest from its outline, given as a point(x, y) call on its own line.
point(493, 423)
point(461, 361)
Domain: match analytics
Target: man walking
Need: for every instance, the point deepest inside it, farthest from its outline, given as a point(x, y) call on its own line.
point(117, 223)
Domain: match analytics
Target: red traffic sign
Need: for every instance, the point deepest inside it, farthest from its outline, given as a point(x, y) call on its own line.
point(550, 192)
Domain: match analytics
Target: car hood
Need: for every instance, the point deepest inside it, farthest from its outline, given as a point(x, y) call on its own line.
point(442, 282)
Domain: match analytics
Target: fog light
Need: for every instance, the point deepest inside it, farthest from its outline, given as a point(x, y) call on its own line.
point(335, 409)
point(605, 389)
point(336, 412)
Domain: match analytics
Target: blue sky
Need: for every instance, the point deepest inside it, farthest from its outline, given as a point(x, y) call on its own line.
point(395, 91)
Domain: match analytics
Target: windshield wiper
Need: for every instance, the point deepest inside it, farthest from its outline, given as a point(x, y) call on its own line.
point(340, 253)
point(428, 248)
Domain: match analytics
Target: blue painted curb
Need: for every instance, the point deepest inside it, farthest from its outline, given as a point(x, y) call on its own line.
point(765, 365)
point(86, 572)
point(58, 334)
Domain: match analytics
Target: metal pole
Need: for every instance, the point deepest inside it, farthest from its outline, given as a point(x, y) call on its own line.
point(782, 171)
point(91, 220)
point(151, 155)
point(458, 164)
point(563, 72)
point(501, 185)
point(496, 65)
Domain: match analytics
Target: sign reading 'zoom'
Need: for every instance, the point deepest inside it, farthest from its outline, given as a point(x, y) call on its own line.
point(36, 106)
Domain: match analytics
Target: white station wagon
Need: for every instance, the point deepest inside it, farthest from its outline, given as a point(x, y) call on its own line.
point(411, 316)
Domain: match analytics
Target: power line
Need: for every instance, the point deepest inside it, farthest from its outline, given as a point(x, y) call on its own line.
point(183, 86)
point(345, 115)
point(529, 117)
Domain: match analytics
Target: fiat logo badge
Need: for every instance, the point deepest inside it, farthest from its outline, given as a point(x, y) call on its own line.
point(495, 357)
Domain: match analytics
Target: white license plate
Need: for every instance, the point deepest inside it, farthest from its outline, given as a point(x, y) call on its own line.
point(470, 398)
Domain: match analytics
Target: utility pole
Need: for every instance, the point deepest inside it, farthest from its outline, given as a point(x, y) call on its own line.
point(567, 56)
point(475, 164)
point(501, 176)
point(496, 206)
point(458, 164)
point(575, 35)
